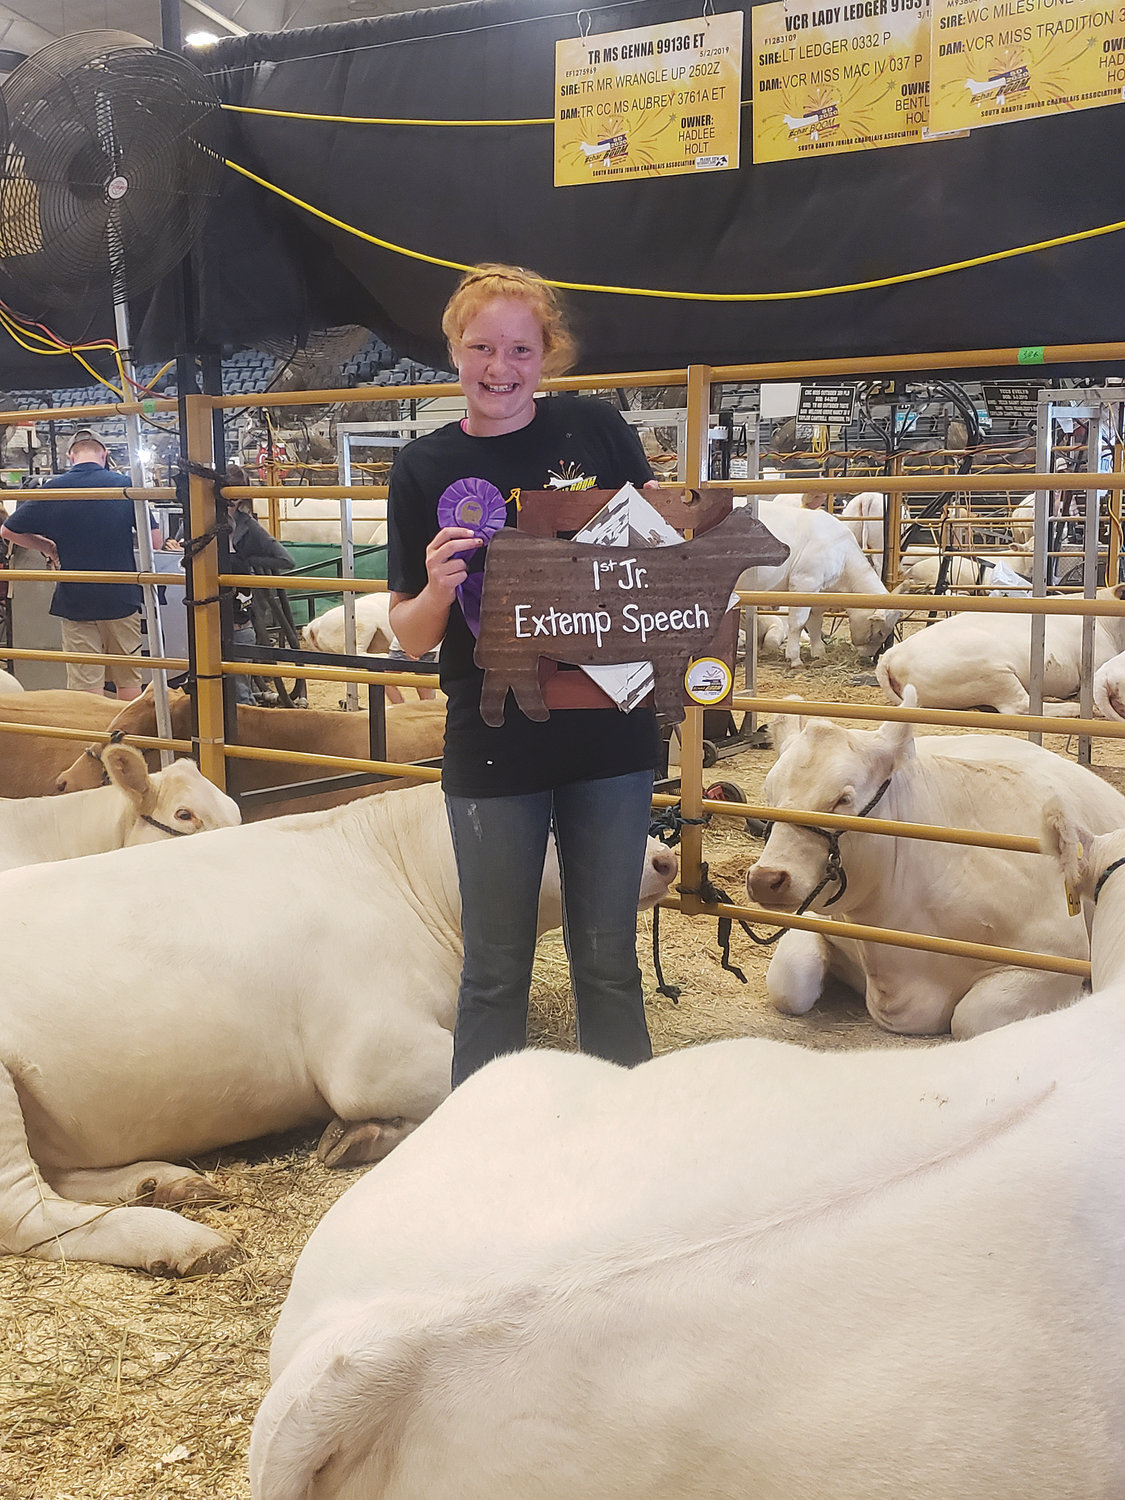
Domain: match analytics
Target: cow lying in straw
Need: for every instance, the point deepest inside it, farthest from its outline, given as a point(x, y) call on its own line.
point(971, 662)
point(1013, 900)
point(855, 1275)
point(136, 1044)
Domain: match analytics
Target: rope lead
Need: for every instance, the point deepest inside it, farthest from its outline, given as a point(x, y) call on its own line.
point(671, 991)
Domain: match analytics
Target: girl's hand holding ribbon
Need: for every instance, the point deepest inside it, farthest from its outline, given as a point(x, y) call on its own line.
point(447, 557)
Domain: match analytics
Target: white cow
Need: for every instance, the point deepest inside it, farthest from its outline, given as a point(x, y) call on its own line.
point(772, 633)
point(824, 557)
point(863, 516)
point(373, 634)
point(1109, 688)
point(1023, 521)
point(306, 975)
point(312, 520)
point(853, 1276)
point(970, 661)
point(136, 808)
point(8, 683)
point(989, 782)
point(798, 499)
point(373, 631)
point(977, 574)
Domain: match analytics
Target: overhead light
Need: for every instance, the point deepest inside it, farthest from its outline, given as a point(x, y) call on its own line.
point(200, 39)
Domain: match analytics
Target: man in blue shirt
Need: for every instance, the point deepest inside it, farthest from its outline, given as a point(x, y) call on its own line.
point(93, 534)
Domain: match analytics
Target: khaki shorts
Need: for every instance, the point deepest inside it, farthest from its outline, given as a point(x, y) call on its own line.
point(115, 638)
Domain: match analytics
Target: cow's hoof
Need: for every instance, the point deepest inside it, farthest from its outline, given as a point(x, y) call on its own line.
point(217, 1257)
point(354, 1143)
point(177, 1192)
point(212, 1261)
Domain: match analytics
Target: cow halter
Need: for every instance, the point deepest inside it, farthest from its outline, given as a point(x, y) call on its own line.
point(177, 833)
point(834, 869)
point(95, 753)
point(1104, 876)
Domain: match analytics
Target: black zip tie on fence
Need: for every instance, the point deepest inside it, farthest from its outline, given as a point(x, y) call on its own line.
point(194, 545)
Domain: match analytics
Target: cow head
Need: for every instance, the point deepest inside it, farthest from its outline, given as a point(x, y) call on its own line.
point(1086, 863)
point(821, 768)
point(177, 800)
point(871, 629)
point(660, 868)
point(137, 717)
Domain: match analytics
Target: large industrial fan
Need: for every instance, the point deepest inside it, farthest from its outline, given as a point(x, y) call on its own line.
point(113, 161)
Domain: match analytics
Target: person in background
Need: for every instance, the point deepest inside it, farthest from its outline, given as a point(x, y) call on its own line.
point(254, 551)
point(95, 534)
point(590, 771)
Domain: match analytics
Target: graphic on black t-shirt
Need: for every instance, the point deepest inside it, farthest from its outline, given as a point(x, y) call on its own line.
point(568, 476)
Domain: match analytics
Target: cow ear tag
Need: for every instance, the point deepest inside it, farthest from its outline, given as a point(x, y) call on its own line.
point(1073, 902)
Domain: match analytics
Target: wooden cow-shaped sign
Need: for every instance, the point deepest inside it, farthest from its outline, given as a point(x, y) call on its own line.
point(588, 605)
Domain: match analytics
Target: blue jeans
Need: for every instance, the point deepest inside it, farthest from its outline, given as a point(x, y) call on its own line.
point(243, 635)
point(601, 828)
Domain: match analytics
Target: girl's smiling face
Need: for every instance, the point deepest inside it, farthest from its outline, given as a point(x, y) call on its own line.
point(499, 359)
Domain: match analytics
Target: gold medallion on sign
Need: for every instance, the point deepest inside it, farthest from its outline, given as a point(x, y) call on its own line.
point(707, 680)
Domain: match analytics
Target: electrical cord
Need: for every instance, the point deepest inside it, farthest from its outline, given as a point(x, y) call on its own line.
point(901, 279)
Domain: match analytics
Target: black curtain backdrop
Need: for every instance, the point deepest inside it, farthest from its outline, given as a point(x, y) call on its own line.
point(268, 270)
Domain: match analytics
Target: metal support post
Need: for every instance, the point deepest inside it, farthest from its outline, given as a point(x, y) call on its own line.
point(204, 623)
point(1113, 503)
point(892, 527)
point(755, 736)
point(153, 624)
point(1039, 558)
point(1091, 533)
point(347, 562)
point(750, 613)
point(691, 730)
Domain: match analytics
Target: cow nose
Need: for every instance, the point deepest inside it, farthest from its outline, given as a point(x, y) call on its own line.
point(665, 864)
point(62, 784)
point(764, 884)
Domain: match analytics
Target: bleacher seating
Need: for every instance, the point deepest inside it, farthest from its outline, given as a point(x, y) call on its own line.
point(250, 371)
point(407, 372)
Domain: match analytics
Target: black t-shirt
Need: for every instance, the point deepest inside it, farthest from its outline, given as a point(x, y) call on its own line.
point(569, 438)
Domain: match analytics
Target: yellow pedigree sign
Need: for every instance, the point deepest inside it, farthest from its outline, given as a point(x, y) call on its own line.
point(832, 78)
point(657, 101)
point(1004, 60)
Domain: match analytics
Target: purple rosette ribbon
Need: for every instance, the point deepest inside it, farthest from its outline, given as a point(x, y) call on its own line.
point(480, 507)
